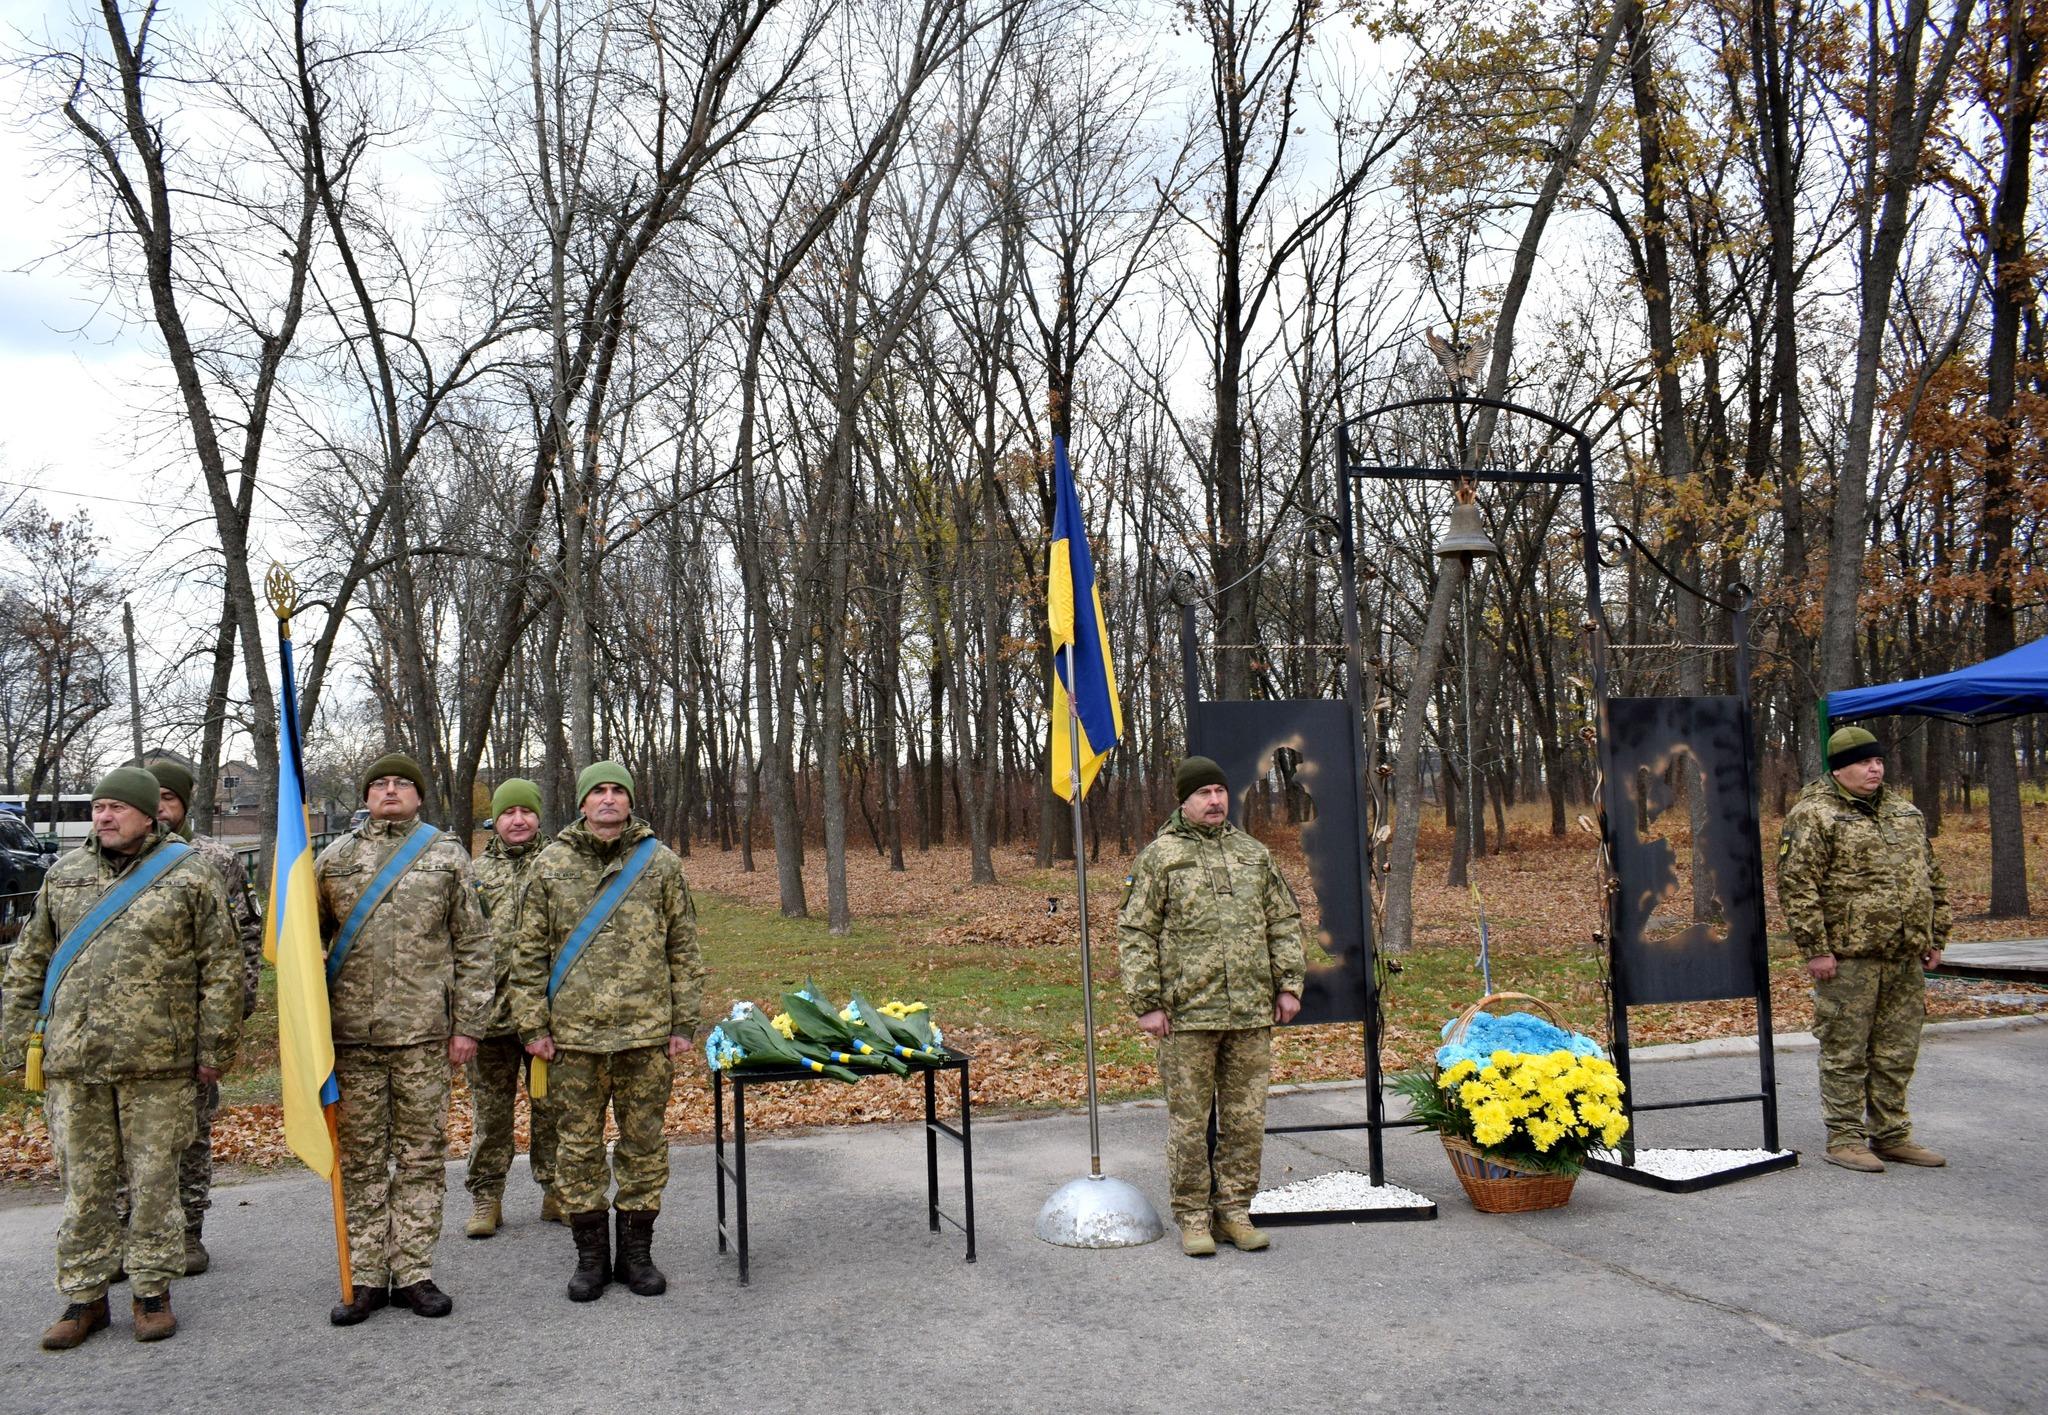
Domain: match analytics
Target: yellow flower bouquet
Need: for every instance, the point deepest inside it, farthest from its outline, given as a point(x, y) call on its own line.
point(1522, 1092)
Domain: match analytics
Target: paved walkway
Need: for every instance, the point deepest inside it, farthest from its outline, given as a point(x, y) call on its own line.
point(1815, 1289)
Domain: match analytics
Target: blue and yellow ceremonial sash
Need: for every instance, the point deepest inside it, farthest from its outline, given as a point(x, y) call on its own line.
point(600, 910)
point(387, 879)
point(109, 907)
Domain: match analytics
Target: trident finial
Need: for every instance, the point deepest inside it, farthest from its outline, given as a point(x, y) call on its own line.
point(282, 592)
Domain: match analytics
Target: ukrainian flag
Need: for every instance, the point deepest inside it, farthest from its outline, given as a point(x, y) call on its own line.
point(305, 1036)
point(1084, 682)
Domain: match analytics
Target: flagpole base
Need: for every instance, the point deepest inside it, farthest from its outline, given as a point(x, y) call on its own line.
point(1097, 1211)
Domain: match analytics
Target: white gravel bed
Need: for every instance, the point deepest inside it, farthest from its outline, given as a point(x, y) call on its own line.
point(1345, 1189)
point(1691, 1164)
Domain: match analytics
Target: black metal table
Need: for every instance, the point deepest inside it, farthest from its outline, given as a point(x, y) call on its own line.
point(733, 1228)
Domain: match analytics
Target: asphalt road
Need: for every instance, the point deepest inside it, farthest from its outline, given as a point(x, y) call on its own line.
point(1814, 1289)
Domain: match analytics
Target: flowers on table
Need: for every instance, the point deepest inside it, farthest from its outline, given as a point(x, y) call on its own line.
point(913, 1022)
point(746, 1037)
point(888, 1029)
point(818, 1022)
point(814, 1034)
point(1522, 1091)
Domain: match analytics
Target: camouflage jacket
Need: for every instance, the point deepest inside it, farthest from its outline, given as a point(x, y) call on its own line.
point(421, 967)
point(1857, 878)
point(156, 993)
point(244, 913)
point(499, 872)
point(1209, 932)
point(640, 980)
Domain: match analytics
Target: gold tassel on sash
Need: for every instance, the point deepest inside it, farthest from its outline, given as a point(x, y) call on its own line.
point(35, 1058)
point(537, 1078)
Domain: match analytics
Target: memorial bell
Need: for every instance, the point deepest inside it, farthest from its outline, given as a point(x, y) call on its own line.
point(1466, 535)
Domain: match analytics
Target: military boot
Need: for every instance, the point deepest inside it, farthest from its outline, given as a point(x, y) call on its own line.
point(423, 1298)
point(1906, 1152)
point(593, 1234)
point(636, 1260)
point(1239, 1234)
point(80, 1320)
point(358, 1308)
point(1856, 1157)
point(197, 1259)
point(1195, 1240)
point(153, 1319)
point(484, 1217)
point(551, 1210)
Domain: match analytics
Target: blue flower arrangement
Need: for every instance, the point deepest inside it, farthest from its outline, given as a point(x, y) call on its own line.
point(1516, 1032)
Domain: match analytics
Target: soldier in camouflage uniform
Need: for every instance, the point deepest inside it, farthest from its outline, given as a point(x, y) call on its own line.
point(1868, 909)
point(412, 996)
point(149, 1007)
point(195, 1168)
point(1209, 945)
point(622, 1014)
point(500, 1058)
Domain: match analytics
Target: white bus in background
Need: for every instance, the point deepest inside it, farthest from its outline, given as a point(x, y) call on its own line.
point(67, 817)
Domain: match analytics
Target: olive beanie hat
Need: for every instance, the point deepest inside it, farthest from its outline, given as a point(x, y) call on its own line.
point(1195, 773)
point(132, 786)
point(515, 791)
point(600, 774)
point(173, 778)
point(394, 764)
point(1850, 745)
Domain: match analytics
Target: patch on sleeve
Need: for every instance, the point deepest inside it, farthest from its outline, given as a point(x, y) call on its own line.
point(1789, 839)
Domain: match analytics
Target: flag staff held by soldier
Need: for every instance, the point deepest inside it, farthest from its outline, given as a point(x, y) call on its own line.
point(123, 995)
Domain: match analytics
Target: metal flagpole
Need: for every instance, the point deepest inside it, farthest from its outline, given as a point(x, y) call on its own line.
point(1094, 1211)
point(1081, 896)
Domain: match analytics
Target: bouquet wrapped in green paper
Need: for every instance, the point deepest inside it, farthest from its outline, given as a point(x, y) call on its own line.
point(812, 1018)
point(889, 1031)
point(747, 1038)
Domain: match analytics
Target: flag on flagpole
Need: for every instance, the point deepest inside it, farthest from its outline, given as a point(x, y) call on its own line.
point(305, 1035)
point(1086, 702)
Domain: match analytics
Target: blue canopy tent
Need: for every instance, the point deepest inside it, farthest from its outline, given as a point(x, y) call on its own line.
point(2011, 685)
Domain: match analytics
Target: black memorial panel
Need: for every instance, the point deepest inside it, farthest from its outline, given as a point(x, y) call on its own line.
point(1673, 943)
point(1242, 737)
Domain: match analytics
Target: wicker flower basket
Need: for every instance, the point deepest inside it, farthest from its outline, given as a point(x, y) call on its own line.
point(1498, 1186)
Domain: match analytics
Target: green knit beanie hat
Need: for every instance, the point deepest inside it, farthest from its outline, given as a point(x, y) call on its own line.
point(515, 791)
point(173, 778)
point(600, 774)
point(1195, 773)
point(1849, 745)
point(132, 785)
point(394, 764)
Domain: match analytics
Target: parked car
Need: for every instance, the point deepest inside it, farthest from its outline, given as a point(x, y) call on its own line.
point(24, 860)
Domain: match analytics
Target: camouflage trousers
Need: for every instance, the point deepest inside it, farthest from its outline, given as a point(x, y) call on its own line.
point(1229, 1070)
point(195, 1165)
point(132, 1131)
point(493, 1087)
point(636, 1085)
point(393, 1126)
point(1867, 1019)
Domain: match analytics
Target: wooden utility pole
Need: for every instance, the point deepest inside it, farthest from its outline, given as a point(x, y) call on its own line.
point(134, 684)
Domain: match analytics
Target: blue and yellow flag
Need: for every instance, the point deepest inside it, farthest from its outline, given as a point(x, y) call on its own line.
point(1083, 681)
point(305, 1034)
